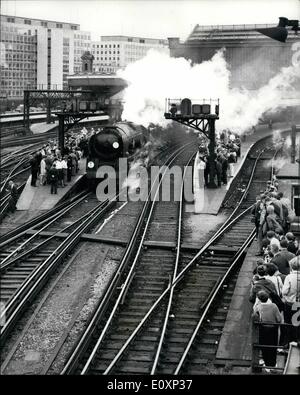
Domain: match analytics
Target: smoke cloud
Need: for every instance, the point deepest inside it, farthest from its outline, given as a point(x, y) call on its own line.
point(158, 76)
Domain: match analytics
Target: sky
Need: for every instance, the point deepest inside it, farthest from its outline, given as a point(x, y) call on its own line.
point(152, 18)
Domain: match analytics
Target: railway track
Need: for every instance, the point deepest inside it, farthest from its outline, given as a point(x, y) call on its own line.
point(14, 166)
point(7, 141)
point(25, 256)
point(27, 261)
point(29, 139)
point(153, 313)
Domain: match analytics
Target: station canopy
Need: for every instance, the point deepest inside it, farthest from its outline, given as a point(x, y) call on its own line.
point(104, 85)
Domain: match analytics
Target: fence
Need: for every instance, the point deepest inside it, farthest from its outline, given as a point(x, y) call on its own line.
point(257, 347)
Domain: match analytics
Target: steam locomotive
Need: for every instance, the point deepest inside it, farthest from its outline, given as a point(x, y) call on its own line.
point(121, 140)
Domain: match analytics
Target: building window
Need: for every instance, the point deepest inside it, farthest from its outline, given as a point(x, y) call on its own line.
point(27, 21)
point(11, 20)
point(73, 27)
point(45, 24)
point(142, 41)
point(129, 40)
point(59, 25)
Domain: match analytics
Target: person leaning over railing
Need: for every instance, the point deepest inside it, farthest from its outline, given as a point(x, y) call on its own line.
point(268, 314)
point(291, 295)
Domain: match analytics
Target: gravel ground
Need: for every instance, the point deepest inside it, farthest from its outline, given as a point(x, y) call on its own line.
point(69, 306)
point(198, 228)
point(13, 220)
point(81, 286)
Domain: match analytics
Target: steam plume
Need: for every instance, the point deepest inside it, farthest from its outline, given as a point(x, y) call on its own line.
point(158, 76)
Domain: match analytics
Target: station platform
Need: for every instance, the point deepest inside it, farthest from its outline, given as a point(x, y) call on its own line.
point(43, 127)
point(235, 345)
point(38, 128)
point(236, 340)
point(209, 201)
point(40, 198)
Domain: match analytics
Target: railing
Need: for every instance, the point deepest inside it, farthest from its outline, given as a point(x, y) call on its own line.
point(257, 347)
point(233, 27)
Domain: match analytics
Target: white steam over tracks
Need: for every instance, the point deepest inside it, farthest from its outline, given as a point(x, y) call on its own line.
point(158, 76)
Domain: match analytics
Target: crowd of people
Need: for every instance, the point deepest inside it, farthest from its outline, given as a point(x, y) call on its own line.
point(227, 152)
point(55, 168)
point(276, 279)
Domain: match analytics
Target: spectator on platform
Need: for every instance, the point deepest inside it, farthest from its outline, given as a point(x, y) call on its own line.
point(273, 239)
point(291, 294)
point(274, 276)
point(64, 166)
point(218, 165)
point(291, 241)
point(173, 109)
point(69, 168)
point(34, 170)
point(259, 262)
point(261, 284)
point(13, 190)
point(206, 170)
point(53, 176)
point(281, 259)
point(272, 219)
point(43, 172)
point(224, 163)
point(284, 251)
point(267, 313)
point(257, 211)
point(74, 162)
point(231, 161)
point(49, 160)
point(238, 143)
point(60, 172)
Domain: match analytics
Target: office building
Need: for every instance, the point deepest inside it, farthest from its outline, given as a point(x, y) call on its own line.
point(38, 54)
point(116, 52)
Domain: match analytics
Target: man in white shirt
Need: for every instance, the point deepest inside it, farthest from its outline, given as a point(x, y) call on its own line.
point(64, 167)
point(291, 294)
point(60, 172)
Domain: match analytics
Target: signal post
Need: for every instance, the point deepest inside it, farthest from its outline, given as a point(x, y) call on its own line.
point(199, 117)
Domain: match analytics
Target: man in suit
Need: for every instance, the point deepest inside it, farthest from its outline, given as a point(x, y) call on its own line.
point(34, 170)
point(53, 177)
point(282, 257)
point(13, 190)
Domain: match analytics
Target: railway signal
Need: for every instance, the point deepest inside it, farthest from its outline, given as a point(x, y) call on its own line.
point(199, 116)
